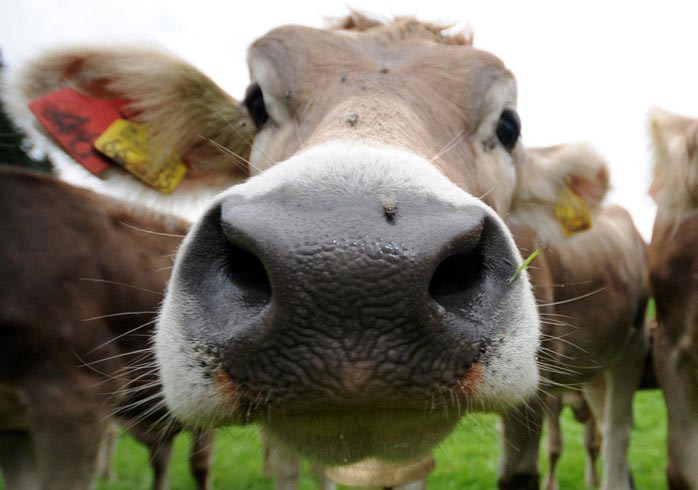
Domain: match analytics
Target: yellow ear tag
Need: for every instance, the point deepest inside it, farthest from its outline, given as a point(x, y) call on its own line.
point(572, 211)
point(127, 144)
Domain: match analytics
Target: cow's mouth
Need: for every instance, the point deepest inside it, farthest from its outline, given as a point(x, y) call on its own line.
point(342, 437)
point(334, 431)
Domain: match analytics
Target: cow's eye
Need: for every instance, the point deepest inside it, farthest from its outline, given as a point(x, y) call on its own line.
point(254, 101)
point(508, 128)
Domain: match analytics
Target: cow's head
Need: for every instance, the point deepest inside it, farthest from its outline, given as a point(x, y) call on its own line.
point(675, 180)
point(356, 295)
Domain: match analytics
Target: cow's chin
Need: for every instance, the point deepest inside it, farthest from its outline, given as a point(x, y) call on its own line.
point(338, 437)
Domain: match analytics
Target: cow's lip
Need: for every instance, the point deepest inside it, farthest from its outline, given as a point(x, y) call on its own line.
point(343, 437)
point(260, 407)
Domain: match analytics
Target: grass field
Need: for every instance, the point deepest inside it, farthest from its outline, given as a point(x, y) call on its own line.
point(466, 460)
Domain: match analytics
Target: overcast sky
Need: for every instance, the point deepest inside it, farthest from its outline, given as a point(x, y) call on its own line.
point(586, 70)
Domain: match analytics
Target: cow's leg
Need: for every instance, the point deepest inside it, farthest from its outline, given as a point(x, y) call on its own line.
point(592, 440)
point(594, 394)
point(555, 441)
point(323, 481)
point(106, 453)
point(592, 445)
point(676, 366)
point(283, 466)
point(617, 420)
point(159, 443)
point(68, 425)
point(201, 455)
point(518, 463)
point(682, 471)
point(17, 462)
point(160, 456)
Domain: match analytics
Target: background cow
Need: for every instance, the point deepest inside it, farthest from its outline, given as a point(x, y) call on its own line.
point(674, 278)
point(81, 277)
point(593, 334)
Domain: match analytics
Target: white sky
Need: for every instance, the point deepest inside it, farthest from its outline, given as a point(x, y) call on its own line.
point(587, 70)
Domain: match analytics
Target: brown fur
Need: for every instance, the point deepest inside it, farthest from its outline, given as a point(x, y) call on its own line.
point(592, 289)
point(674, 278)
point(80, 284)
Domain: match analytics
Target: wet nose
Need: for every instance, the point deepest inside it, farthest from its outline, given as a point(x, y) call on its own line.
point(356, 260)
point(343, 298)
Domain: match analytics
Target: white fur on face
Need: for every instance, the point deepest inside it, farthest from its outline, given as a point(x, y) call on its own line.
point(347, 169)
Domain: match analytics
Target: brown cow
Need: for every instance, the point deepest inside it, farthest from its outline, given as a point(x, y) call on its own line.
point(360, 292)
point(81, 278)
point(674, 278)
point(593, 338)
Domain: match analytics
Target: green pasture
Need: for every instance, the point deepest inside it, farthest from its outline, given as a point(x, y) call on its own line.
point(466, 460)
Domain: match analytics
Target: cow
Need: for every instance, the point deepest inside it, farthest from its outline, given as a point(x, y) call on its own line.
point(363, 289)
point(594, 338)
point(674, 280)
point(81, 277)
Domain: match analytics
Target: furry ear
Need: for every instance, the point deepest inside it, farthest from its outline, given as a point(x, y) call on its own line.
point(675, 174)
point(572, 175)
point(183, 110)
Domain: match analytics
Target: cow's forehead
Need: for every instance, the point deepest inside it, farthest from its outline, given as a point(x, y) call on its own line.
point(305, 59)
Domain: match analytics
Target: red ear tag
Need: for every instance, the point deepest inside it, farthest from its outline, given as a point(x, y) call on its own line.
point(76, 121)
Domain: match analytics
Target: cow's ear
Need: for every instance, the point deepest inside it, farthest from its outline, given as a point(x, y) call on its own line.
point(184, 111)
point(675, 174)
point(559, 189)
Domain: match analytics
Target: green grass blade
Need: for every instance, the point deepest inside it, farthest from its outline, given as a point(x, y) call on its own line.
point(525, 264)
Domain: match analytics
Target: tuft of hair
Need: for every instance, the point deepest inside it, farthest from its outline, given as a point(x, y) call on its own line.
point(674, 185)
point(401, 28)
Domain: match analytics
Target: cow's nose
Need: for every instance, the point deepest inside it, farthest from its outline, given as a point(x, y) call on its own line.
point(352, 263)
point(455, 259)
point(338, 302)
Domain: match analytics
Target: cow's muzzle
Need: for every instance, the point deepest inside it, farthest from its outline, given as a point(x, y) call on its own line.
point(343, 303)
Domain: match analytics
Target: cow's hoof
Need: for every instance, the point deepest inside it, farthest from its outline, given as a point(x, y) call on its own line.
point(524, 481)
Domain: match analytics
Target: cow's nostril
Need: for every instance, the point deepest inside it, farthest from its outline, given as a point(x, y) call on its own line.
point(247, 273)
point(456, 275)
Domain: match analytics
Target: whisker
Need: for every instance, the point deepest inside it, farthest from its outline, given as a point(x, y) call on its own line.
point(573, 299)
point(449, 146)
point(123, 354)
point(247, 140)
point(125, 313)
point(124, 334)
point(151, 231)
point(117, 283)
point(486, 194)
point(228, 151)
